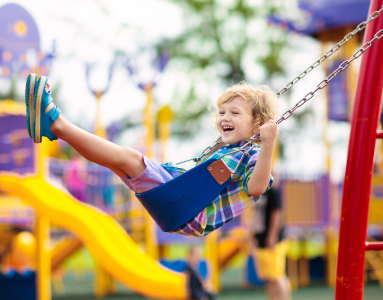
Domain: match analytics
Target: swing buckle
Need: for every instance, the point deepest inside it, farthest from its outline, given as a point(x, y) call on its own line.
point(219, 171)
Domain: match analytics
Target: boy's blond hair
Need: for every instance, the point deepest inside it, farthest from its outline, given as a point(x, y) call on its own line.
point(262, 100)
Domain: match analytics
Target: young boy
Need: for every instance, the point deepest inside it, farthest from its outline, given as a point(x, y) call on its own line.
point(243, 111)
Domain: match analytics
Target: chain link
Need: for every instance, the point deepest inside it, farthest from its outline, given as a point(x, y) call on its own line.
point(335, 48)
point(206, 151)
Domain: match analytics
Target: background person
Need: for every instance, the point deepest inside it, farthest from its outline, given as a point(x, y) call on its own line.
point(268, 248)
point(198, 288)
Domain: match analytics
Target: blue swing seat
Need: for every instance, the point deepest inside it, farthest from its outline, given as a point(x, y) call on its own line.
point(178, 201)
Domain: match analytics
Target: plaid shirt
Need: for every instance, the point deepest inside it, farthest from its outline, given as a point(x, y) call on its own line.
point(232, 201)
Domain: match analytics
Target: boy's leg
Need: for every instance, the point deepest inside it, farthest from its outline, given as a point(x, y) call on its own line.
point(278, 289)
point(119, 159)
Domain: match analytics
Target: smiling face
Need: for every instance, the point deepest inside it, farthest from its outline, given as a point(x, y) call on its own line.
point(234, 121)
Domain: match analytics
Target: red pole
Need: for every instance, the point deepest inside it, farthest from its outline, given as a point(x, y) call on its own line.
point(357, 181)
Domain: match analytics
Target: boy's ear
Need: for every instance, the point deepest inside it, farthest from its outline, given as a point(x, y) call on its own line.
point(255, 130)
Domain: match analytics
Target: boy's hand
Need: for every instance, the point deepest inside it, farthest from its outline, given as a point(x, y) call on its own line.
point(269, 132)
point(260, 178)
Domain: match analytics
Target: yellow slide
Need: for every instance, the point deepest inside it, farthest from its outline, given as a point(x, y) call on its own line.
point(110, 245)
point(231, 245)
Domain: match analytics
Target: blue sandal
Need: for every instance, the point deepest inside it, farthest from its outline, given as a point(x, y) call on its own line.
point(42, 121)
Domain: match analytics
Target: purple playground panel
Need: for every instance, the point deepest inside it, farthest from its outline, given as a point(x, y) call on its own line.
point(164, 238)
point(325, 14)
point(338, 104)
point(20, 43)
point(91, 184)
point(15, 216)
point(17, 150)
point(306, 201)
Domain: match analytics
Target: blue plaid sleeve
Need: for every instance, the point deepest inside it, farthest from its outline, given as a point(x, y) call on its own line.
point(249, 171)
point(173, 170)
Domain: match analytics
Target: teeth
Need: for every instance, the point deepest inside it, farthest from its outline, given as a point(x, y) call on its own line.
point(227, 127)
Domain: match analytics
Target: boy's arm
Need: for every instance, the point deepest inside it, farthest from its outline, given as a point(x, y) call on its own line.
point(275, 220)
point(260, 178)
point(274, 227)
point(187, 282)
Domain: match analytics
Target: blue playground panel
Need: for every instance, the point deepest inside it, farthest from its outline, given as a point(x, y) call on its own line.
point(18, 286)
point(250, 275)
point(180, 266)
point(16, 147)
point(317, 269)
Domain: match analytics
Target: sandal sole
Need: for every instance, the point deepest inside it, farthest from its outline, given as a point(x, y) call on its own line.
point(29, 95)
point(37, 112)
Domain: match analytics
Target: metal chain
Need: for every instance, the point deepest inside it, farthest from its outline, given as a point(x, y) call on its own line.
point(343, 66)
point(335, 48)
point(206, 151)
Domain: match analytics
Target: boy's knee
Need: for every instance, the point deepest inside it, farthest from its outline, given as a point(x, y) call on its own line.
point(132, 155)
point(131, 160)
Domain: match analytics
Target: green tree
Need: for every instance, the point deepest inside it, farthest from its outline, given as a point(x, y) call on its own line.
point(11, 92)
point(227, 40)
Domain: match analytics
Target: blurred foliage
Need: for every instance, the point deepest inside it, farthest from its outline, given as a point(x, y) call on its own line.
point(14, 92)
point(223, 38)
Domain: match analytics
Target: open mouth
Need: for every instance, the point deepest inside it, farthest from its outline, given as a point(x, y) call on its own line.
point(227, 128)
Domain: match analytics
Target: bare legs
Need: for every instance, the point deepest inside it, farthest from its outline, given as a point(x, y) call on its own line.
point(278, 289)
point(119, 159)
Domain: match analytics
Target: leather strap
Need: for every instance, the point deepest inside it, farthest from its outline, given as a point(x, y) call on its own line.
point(219, 171)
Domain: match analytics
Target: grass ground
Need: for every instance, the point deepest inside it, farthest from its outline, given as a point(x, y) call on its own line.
point(82, 289)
